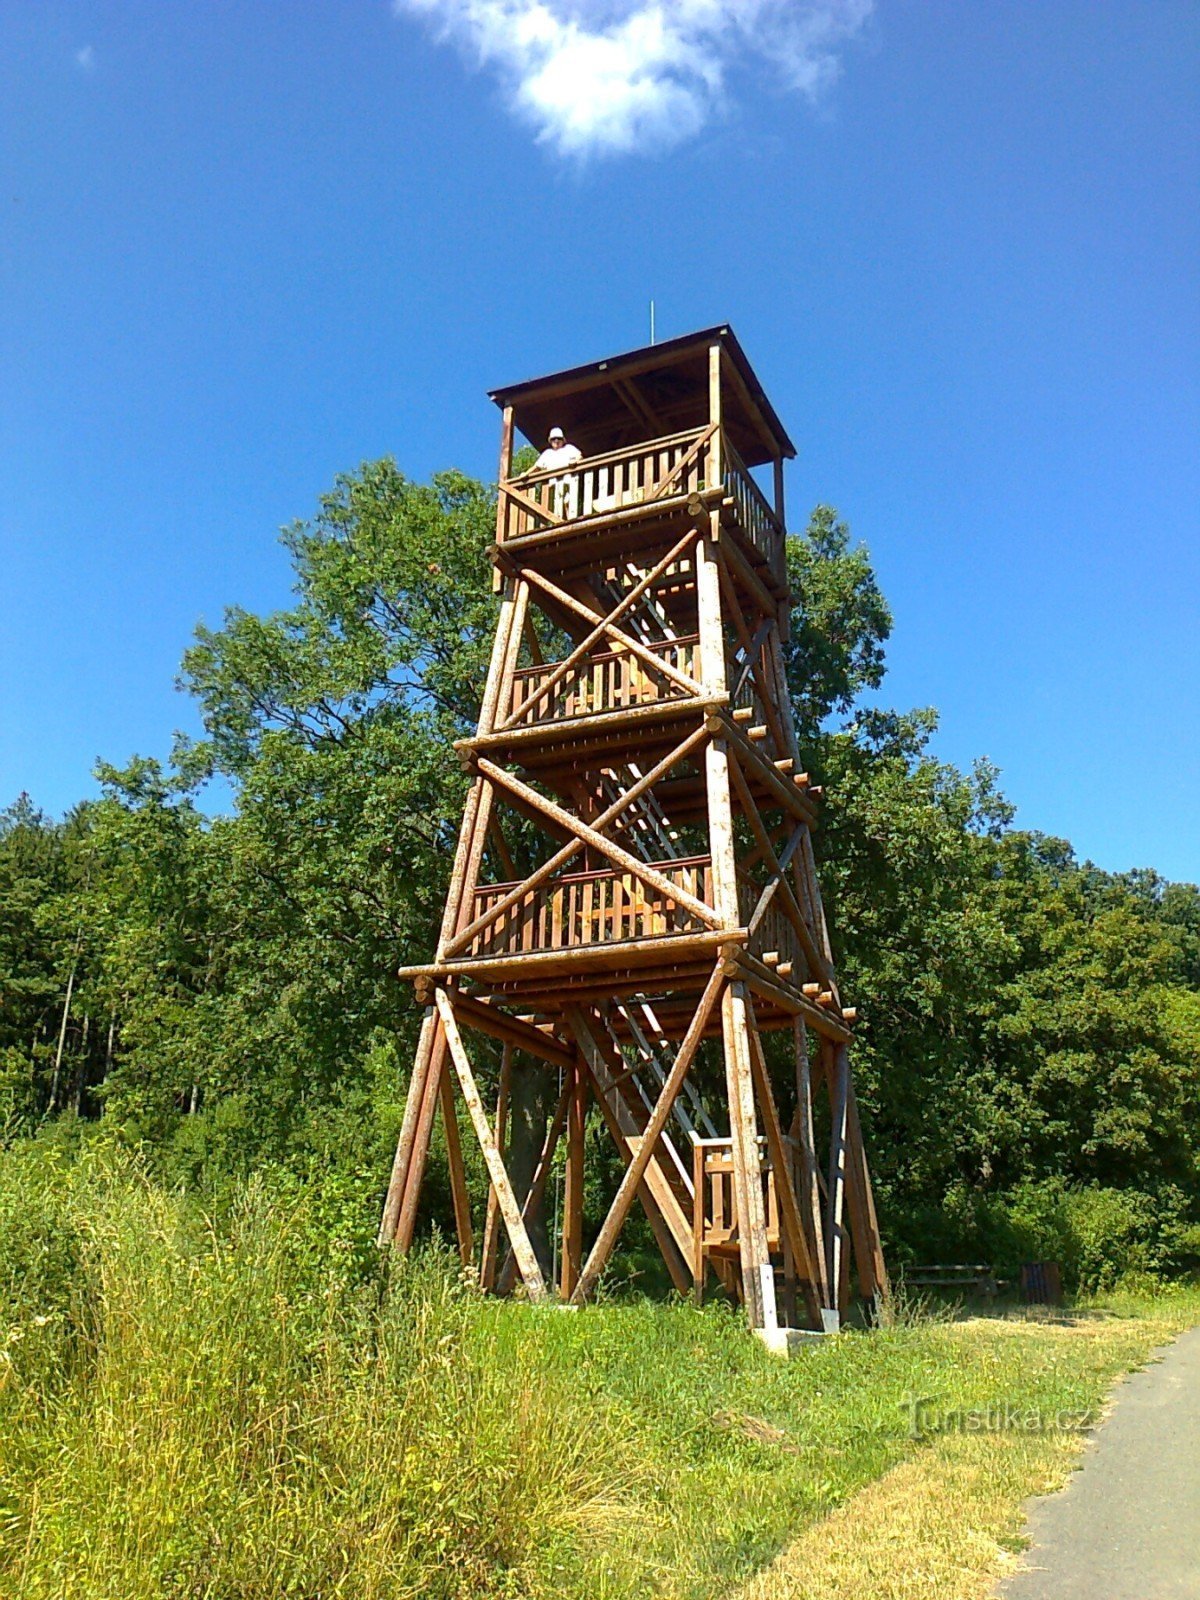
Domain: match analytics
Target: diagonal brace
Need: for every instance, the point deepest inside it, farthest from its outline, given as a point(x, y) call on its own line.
point(606, 819)
point(636, 1170)
point(603, 846)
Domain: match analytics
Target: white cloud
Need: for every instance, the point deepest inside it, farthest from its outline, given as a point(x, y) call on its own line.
point(85, 59)
point(619, 75)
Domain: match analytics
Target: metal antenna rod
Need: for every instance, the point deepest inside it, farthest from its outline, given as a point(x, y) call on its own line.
point(652, 322)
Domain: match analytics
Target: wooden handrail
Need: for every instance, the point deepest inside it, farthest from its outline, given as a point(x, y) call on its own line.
point(734, 463)
point(606, 458)
point(594, 873)
point(665, 646)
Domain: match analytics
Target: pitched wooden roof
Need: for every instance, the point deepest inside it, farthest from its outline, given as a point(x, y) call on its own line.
point(647, 394)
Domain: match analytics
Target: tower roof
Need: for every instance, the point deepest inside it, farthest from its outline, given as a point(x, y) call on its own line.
point(648, 393)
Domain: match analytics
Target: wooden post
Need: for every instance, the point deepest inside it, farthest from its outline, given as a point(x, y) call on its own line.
point(404, 1144)
point(491, 1225)
point(838, 1263)
point(422, 1133)
point(509, 1210)
point(810, 1188)
point(503, 474)
point(789, 1211)
point(458, 1176)
point(757, 1289)
point(572, 1230)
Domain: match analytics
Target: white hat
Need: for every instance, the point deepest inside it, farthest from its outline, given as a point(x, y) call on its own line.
point(557, 433)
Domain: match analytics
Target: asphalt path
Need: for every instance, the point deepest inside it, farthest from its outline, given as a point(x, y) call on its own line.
point(1127, 1525)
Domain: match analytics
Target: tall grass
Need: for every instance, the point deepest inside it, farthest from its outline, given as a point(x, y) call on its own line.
point(259, 1409)
point(187, 1412)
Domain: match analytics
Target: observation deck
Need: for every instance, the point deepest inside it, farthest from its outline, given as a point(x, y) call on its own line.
point(612, 500)
point(652, 458)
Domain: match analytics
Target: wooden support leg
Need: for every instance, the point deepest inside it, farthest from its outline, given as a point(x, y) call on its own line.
point(572, 1230)
point(408, 1127)
point(491, 1225)
point(509, 1210)
point(406, 1222)
point(458, 1176)
point(757, 1277)
point(864, 1225)
point(837, 1072)
point(699, 1207)
point(790, 1221)
point(810, 1191)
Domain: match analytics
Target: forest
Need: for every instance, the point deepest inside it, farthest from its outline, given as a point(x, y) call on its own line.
point(198, 967)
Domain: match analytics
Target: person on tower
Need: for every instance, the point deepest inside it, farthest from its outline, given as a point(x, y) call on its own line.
point(557, 457)
point(558, 453)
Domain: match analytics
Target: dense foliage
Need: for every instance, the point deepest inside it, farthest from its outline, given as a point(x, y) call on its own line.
point(219, 990)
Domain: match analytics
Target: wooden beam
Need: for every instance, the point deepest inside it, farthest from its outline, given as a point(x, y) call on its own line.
point(790, 1220)
point(408, 1127)
point(810, 1192)
point(509, 1210)
point(864, 1224)
point(423, 1132)
point(603, 846)
point(503, 473)
point(458, 1176)
point(572, 1228)
point(757, 1287)
point(491, 1225)
point(636, 1170)
point(680, 753)
point(571, 731)
point(486, 1017)
point(655, 957)
point(837, 1073)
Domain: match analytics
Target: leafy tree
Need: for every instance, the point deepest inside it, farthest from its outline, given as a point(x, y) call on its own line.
point(222, 990)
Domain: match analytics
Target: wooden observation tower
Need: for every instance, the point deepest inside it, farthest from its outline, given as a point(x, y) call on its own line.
point(633, 903)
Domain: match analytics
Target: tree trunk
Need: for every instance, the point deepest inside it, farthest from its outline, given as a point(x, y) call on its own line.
point(532, 1095)
point(62, 1033)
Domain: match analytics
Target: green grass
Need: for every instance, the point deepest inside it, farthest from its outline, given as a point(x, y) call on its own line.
point(244, 1411)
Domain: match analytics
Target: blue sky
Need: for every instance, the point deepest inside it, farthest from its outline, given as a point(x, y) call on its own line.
point(244, 247)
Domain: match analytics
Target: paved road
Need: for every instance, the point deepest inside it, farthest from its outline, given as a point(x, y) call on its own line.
point(1127, 1526)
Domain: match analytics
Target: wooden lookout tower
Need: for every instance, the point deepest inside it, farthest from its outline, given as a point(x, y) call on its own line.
point(633, 903)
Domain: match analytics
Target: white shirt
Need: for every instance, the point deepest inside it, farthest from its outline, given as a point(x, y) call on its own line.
point(554, 459)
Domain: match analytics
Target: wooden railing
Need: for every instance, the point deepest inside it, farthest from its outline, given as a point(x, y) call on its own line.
point(714, 1214)
point(775, 932)
point(599, 485)
point(755, 516)
point(608, 681)
point(589, 908)
point(658, 469)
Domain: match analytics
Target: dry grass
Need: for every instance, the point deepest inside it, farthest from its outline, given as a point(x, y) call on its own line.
point(946, 1523)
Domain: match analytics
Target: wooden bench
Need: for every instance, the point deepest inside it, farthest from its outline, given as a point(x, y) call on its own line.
point(979, 1277)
